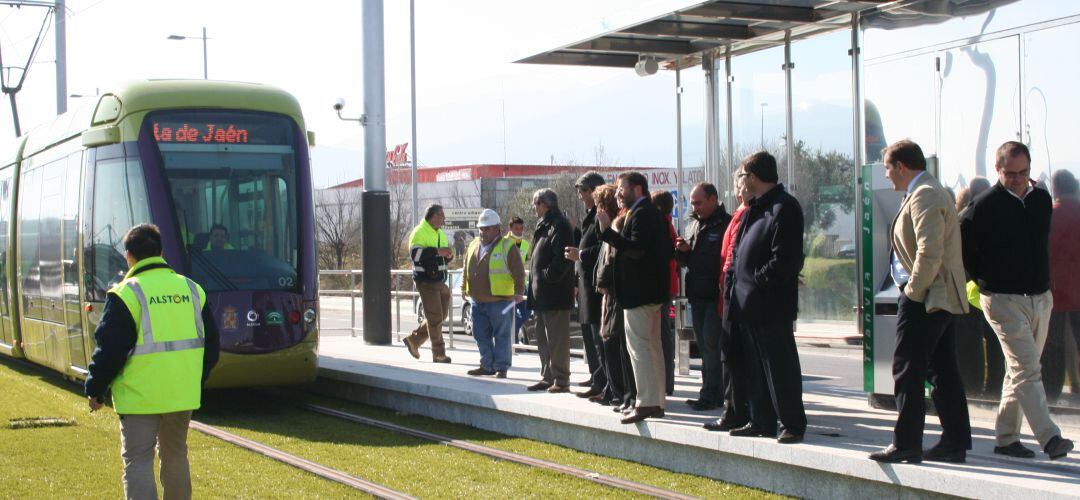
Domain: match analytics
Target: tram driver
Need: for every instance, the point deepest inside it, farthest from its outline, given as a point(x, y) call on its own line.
point(219, 238)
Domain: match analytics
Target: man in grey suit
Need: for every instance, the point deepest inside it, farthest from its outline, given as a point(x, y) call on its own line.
point(928, 268)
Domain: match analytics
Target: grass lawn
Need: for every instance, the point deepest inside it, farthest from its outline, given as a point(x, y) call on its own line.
point(450, 473)
point(83, 461)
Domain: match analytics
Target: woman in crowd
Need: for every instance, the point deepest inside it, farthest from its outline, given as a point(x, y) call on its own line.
point(665, 203)
point(621, 389)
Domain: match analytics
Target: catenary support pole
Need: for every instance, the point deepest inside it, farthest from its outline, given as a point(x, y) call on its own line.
point(375, 200)
point(412, 73)
point(61, 56)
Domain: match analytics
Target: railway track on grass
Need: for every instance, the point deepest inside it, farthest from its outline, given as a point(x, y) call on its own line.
point(595, 477)
point(374, 489)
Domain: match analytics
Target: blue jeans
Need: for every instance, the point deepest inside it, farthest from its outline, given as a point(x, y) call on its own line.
point(707, 331)
point(491, 329)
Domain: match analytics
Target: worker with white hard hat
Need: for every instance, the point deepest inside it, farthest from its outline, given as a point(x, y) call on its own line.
point(494, 282)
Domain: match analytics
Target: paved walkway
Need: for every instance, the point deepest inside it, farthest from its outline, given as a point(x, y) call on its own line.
point(843, 430)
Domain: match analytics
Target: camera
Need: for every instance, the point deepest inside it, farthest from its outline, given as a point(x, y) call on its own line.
point(339, 104)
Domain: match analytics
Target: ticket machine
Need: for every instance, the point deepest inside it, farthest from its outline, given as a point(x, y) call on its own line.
point(879, 202)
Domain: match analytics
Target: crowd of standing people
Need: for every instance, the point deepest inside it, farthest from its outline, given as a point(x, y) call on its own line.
point(979, 265)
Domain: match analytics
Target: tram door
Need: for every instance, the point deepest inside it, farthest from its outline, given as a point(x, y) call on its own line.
point(69, 255)
point(7, 329)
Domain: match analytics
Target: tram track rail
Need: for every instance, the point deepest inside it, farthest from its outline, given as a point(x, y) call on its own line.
point(330, 474)
point(595, 477)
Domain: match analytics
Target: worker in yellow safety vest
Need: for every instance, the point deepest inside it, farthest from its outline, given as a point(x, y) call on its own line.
point(156, 344)
point(516, 235)
point(430, 252)
point(494, 281)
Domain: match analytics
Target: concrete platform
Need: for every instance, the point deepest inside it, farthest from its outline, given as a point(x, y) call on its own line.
point(831, 463)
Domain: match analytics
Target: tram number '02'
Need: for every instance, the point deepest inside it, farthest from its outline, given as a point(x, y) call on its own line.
point(285, 282)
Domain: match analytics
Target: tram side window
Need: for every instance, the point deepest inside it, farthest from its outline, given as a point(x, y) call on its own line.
point(119, 203)
point(29, 234)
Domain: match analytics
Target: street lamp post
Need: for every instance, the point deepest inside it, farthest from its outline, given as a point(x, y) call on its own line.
point(205, 73)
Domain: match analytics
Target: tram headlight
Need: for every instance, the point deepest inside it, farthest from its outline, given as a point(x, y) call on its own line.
point(309, 315)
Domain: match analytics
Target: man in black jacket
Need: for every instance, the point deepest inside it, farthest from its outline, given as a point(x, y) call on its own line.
point(551, 291)
point(585, 256)
point(641, 282)
point(763, 286)
point(1006, 235)
point(700, 254)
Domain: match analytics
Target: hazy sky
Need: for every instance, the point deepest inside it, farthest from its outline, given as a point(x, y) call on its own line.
point(474, 105)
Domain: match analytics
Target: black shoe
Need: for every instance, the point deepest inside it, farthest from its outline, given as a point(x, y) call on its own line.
point(500, 374)
point(643, 412)
point(1015, 449)
point(691, 402)
point(946, 453)
point(892, 455)
point(789, 437)
point(1058, 447)
point(702, 405)
point(539, 386)
point(723, 424)
point(476, 372)
point(587, 383)
point(751, 430)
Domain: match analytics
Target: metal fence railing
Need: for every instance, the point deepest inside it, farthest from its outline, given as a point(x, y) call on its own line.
point(403, 288)
point(400, 278)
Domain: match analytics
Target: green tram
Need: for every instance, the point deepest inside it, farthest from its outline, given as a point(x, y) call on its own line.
point(222, 168)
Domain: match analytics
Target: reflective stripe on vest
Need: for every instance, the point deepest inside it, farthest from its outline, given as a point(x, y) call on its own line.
point(149, 346)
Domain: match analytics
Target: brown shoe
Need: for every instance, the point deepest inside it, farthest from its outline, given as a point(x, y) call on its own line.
point(476, 372)
point(500, 374)
point(587, 394)
point(558, 388)
point(643, 412)
point(414, 351)
point(441, 359)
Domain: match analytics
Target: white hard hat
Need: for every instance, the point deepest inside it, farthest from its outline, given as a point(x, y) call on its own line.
point(488, 218)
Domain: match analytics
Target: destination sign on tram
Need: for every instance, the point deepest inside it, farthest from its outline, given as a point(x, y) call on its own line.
point(219, 127)
point(210, 133)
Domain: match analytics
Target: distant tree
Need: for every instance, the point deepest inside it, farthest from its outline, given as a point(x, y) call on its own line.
point(521, 204)
point(337, 223)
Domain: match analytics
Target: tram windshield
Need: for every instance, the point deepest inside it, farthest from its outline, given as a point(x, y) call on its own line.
point(233, 178)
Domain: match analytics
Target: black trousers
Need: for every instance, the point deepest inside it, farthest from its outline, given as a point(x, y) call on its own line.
point(926, 352)
point(776, 390)
point(667, 346)
point(620, 376)
point(982, 367)
point(594, 355)
point(1053, 355)
point(738, 363)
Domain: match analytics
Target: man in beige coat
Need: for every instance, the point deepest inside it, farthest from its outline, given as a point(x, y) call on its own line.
point(927, 266)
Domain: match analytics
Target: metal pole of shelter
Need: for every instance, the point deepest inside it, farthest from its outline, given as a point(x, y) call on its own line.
point(61, 57)
point(205, 70)
point(730, 130)
point(412, 76)
point(678, 145)
point(712, 133)
point(375, 200)
point(857, 148)
point(788, 139)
